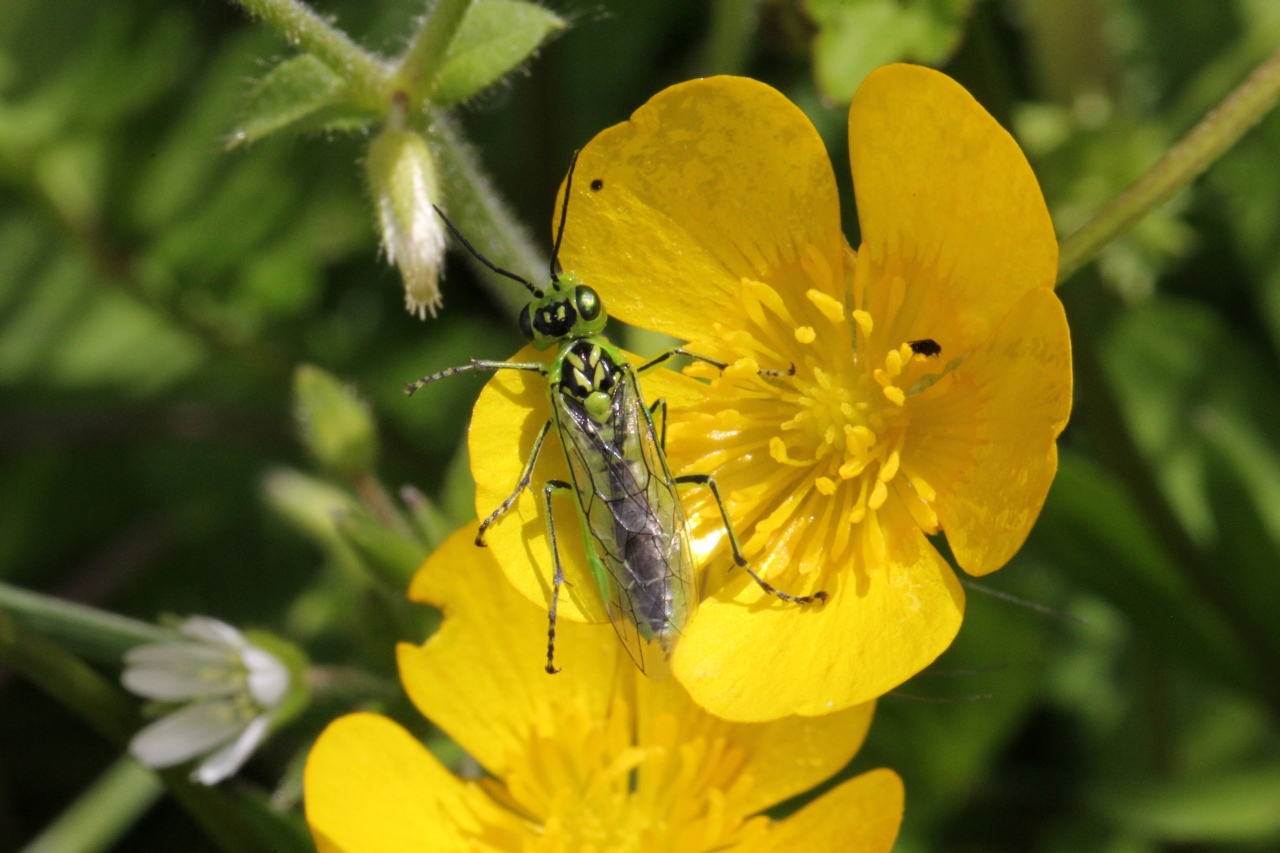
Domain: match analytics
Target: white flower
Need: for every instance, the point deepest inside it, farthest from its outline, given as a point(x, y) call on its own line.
point(230, 688)
point(402, 179)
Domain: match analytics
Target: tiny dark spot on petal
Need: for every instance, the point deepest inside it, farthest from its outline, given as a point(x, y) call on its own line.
point(597, 184)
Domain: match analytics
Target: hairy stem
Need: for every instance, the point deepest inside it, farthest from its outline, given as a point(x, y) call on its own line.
point(481, 214)
point(417, 70)
point(296, 21)
point(1181, 164)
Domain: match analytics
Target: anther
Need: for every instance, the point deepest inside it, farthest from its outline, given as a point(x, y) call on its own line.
point(890, 467)
point(805, 334)
point(879, 495)
point(825, 485)
point(864, 321)
point(830, 307)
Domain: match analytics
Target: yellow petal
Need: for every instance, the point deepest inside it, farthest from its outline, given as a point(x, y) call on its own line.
point(372, 788)
point(985, 437)
point(504, 424)
point(481, 677)
point(936, 177)
point(747, 656)
point(781, 758)
point(858, 816)
point(710, 182)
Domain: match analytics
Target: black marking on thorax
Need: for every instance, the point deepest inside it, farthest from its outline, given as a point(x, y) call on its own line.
point(587, 368)
point(555, 320)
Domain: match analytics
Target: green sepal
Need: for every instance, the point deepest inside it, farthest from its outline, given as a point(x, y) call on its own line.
point(300, 94)
point(333, 423)
point(295, 660)
point(390, 557)
point(495, 37)
point(857, 36)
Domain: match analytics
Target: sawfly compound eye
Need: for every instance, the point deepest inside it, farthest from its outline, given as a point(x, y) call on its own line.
point(588, 303)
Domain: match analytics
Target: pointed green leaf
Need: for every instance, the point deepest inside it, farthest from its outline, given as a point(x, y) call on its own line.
point(495, 37)
point(299, 94)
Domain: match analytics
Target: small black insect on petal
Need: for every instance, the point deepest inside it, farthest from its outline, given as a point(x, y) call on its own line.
point(597, 184)
point(925, 346)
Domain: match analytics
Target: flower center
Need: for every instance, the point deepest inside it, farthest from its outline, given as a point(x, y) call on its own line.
point(586, 786)
point(834, 430)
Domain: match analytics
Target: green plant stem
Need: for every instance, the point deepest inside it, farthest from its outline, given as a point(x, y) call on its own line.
point(1181, 164)
point(95, 634)
point(417, 69)
point(236, 824)
point(103, 813)
point(296, 21)
point(733, 23)
point(480, 213)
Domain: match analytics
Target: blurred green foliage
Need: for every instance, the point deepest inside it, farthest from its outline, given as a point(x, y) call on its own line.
point(160, 293)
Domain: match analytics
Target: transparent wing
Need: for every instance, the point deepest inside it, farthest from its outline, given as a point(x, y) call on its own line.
point(636, 537)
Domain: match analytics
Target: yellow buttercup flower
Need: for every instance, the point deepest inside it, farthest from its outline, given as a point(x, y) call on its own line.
point(932, 373)
point(599, 758)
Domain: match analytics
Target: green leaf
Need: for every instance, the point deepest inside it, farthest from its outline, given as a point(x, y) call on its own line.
point(1091, 529)
point(299, 94)
point(857, 36)
point(1233, 807)
point(495, 37)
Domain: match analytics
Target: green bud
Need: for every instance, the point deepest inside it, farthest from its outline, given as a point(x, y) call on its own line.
point(333, 423)
point(308, 503)
point(402, 180)
point(389, 556)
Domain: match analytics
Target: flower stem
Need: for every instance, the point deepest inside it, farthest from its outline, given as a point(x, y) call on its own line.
point(103, 813)
point(368, 75)
point(95, 634)
point(1181, 164)
point(417, 70)
point(733, 24)
point(481, 214)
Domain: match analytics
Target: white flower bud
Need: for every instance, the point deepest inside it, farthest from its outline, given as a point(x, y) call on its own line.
point(402, 178)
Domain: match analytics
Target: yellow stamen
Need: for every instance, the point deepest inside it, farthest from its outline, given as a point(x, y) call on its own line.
point(825, 485)
point(889, 468)
point(805, 334)
point(864, 321)
point(778, 450)
point(893, 363)
point(859, 510)
point(770, 298)
point(922, 487)
point(895, 395)
point(830, 307)
point(879, 495)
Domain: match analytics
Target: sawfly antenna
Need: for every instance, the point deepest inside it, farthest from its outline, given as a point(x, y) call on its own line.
point(564, 214)
point(482, 259)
